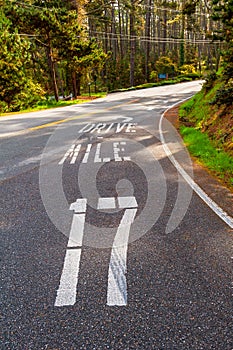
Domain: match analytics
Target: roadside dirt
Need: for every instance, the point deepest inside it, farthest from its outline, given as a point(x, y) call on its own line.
point(220, 128)
point(215, 189)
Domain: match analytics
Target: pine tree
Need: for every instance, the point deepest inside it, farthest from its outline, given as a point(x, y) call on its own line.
point(17, 87)
point(223, 12)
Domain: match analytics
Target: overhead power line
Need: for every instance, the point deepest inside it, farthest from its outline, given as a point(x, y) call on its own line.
point(117, 36)
point(104, 36)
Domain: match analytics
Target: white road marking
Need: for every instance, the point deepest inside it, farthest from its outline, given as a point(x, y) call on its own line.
point(131, 126)
point(87, 128)
point(116, 151)
point(120, 127)
point(103, 128)
point(80, 206)
point(66, 293)
point(98, 127)
point(67, 154)
point(76, 232)
point(117, 284)
point(75, 155)
point(126, 119)
point(109, 128)
point(74, 150)
point(127, 202)
point(97, 158)
point(106, 160)
point(213, 205)
point(106, 203)
point(86, 155)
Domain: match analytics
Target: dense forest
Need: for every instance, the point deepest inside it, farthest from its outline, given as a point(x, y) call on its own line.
point(56, 48)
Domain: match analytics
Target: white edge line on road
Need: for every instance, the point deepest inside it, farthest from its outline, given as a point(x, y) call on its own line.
point(213, 205)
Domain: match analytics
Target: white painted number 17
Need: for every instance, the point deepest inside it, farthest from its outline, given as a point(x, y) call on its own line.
point(117, 284)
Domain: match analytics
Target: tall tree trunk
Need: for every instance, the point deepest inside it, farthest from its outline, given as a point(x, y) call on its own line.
point(106, 46)
point(132, 43)
point(120, 29)
point(78, 83)
point(74, 84)
point(158, 27)
point(60, 80)
point(182, 47)
point(148, 36)
point(52, 69)
point(164, 46)
point(113, 32)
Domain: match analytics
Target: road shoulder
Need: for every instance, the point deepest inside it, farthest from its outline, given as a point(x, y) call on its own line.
point(218, 192)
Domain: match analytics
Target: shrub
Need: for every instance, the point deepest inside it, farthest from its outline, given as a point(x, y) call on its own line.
point(165, 65)
point(224, 96)
point(186, 69)
point(153, 75)
point(209, 81)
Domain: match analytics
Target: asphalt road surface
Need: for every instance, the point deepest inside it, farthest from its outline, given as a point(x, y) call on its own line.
point(107, 241)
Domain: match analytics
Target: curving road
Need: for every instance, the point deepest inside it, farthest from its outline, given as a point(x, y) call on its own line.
point(108, 238)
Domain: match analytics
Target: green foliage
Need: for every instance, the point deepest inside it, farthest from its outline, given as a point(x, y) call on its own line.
point(189, 7)
point(196, 110)
point(186, 69)
point(116, 74)
point(51, 103)
point(150, 85)
point(201, 147)
point(224, 96)
point(58, 55)
point(223, 11)
point(29, 95)
point(191, 56)
point(153, 75)
point(17, 87)
point(210, 80)
point(190, 76)
point(207, 129)
point(165, 65)
point(182, 54)
point(186, 108)
point(55, 50)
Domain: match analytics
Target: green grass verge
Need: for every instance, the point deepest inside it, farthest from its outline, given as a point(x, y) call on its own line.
point(198, 109)
point(217, 161)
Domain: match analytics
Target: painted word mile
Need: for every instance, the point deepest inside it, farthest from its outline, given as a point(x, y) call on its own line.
point(94, 153)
